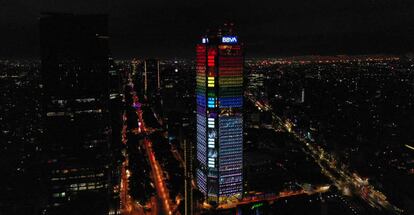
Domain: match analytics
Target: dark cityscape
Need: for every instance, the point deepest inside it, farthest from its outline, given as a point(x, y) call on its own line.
point(207, 107)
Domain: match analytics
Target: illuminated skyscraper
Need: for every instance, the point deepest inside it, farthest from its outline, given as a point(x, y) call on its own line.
point(219, 115)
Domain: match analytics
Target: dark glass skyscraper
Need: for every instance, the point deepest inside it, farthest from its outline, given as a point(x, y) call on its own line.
point(75, 73)
point(219, 115)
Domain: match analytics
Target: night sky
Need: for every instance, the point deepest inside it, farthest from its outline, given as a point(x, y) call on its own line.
point(168, 28)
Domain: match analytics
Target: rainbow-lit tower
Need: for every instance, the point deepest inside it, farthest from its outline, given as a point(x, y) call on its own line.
point(219, 115)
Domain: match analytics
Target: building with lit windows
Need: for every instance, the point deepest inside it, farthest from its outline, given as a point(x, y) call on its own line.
point(77, 127)
point(219, 91)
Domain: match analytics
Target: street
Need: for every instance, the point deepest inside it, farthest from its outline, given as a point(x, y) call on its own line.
point(342, 179)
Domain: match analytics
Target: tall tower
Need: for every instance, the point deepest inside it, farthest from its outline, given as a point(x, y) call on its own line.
point(219, 115)
point(75, 73)
point(152, 82)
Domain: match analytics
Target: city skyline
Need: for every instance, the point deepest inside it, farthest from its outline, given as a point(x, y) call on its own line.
point(207, 107)
point(268, 28)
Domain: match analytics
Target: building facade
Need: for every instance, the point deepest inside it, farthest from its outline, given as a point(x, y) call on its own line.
point(77, 129)
point(219, 91)
point(151, 77)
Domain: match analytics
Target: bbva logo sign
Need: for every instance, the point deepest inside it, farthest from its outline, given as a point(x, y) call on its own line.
point(229, 39)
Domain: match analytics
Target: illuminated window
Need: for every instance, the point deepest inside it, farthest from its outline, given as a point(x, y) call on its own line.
point(211, 142)
point(211, 57)
point(211, 122)
point(211, 162)
point(211, 102)
point(210, 82)
point(201, 100)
